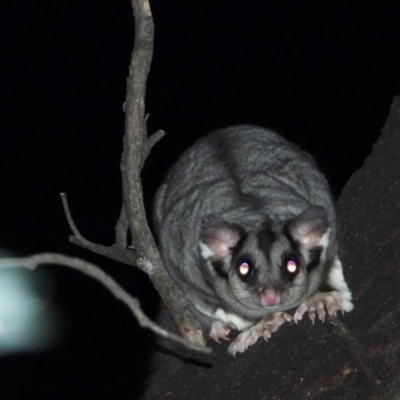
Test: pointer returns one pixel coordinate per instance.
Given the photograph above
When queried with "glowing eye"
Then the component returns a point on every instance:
(244, 270)
(291, 267)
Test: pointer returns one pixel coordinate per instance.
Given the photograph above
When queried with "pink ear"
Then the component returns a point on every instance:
(308, 228)
(218, 237)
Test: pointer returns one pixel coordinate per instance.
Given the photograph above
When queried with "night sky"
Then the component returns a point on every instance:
(322, 73)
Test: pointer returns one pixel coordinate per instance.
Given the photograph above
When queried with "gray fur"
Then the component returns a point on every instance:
(258, 184)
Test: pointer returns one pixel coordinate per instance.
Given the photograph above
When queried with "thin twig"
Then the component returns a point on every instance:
(70, 220)
(149, 143)
(31, 262)
(115, 252)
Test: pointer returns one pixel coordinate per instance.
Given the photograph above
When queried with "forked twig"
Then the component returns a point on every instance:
(136, 147)
(115, 252)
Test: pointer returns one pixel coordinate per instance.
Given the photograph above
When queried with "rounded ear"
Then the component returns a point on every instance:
(308, 228)
(217, 237)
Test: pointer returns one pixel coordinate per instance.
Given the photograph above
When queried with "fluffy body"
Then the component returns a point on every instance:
(247, 227)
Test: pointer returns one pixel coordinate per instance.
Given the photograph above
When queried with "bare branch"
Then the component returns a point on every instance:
(31, 262)
(149, 143)
(133, 155)
(115, 252)
(136, 147)
(70, 220)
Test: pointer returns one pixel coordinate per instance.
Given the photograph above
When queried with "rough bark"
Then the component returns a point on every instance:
(356, 356)
(143, 251)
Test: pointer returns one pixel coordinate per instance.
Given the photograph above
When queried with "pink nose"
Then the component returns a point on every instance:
(270, 298)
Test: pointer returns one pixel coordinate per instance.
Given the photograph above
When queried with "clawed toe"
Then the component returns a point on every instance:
(220, 330)
(264, 329)
(319, 305)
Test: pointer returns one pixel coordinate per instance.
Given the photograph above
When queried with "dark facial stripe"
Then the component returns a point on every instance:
(294, 244)
(218, 266)
(315, 256)
(266, 238)
(325, 288)
(218, 263)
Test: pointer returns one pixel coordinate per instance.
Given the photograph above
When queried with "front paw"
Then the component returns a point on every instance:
(320, 303)
(220, 330)
(246, 339)
(264, 328)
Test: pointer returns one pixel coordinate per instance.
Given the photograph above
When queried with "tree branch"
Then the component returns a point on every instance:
(116, 252)
(149, 143)
(31, 262)
(136, 147)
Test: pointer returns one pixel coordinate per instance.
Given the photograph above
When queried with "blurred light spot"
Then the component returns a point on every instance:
(28, 321)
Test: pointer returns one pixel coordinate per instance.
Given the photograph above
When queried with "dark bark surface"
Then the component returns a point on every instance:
(354, 357)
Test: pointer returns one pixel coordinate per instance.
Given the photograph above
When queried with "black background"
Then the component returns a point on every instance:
(322, 73)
